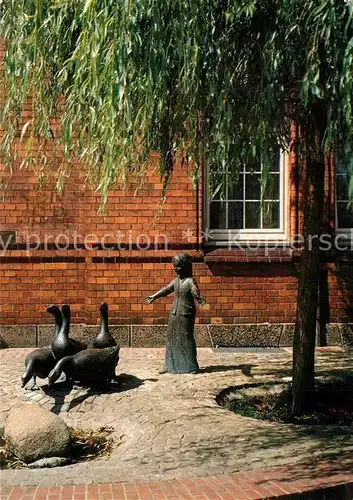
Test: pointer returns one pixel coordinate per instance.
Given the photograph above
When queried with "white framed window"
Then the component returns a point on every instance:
(344, 210)
(242, 207)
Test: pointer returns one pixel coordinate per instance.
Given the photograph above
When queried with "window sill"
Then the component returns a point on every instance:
(284, 254)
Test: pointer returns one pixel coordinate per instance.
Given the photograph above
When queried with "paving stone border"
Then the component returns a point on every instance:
(207, 335)
(268, 484)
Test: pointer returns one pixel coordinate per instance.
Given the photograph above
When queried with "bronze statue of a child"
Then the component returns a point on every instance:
(180, 354)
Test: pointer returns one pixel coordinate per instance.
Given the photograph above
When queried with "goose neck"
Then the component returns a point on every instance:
(58, 321)
(65, 327)
(104, 321)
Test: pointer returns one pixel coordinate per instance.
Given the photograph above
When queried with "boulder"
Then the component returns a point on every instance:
(32, 433)
(49, 462)
(3, 418)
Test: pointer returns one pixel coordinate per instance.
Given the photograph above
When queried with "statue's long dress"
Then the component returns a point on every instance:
(180, 353)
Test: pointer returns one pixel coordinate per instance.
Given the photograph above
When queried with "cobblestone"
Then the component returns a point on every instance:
(170, 426)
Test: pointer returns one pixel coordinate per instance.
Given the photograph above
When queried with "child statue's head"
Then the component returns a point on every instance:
(182, 265)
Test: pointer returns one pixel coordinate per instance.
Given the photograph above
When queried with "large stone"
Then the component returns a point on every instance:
(33, 432)
(49, 462)
(3, 419)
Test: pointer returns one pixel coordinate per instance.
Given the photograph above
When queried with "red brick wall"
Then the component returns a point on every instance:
(246, 291)
(236, 292)
(32, 277)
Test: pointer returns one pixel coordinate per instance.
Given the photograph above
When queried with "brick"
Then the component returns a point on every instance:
(46, 213)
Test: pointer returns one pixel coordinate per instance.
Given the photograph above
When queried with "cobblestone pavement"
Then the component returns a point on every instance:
(170, 426)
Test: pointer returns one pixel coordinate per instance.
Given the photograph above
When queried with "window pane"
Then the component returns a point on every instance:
(217, 185)
(253, 166)
(253, 215)
(253, 187)
(342, 183)
(235, 215)
(270, 215)
(341, 167)
(235, 187)
(272, 187)
(218, 215)
(344, 214)
(240, 201)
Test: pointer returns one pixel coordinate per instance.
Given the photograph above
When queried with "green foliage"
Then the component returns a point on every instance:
(333, 405)
(216, 79)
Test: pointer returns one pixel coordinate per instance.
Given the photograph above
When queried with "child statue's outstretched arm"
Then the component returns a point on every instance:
(196, 292)
(161, 293)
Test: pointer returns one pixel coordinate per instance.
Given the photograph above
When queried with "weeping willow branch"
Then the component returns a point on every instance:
(110, 82)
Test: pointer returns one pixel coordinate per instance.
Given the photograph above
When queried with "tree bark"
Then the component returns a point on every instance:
(305, 328)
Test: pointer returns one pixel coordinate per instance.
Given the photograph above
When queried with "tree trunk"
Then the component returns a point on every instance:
(305, 327)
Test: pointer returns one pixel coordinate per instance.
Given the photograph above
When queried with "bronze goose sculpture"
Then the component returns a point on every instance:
(62, 345)
(90, 366)
(104, 338)
(56, 313)
(40, 362)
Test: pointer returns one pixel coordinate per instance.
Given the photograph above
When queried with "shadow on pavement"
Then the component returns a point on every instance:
(245, 369)
(262, 443)
(59, 391)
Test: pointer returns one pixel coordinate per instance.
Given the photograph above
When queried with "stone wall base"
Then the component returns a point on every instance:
(210, 335)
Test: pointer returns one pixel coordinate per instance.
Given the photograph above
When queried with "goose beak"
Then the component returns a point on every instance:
(24, 379)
